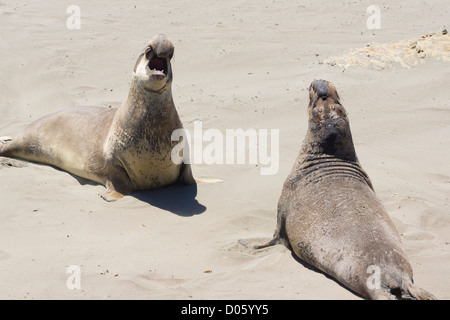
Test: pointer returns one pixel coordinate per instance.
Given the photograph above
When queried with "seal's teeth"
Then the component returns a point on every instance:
(158, 64)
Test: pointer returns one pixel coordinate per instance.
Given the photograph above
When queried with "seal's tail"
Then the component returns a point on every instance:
(419, 293)
(3, 143)
(404, 291)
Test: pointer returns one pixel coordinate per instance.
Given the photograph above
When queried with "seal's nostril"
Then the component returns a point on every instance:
(321, 88)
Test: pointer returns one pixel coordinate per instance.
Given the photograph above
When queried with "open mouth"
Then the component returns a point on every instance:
(158, 66)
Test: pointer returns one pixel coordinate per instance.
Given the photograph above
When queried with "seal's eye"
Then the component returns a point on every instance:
(149, 54)
(340, 109)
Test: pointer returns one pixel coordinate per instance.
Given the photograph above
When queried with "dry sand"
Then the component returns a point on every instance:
(238, 64)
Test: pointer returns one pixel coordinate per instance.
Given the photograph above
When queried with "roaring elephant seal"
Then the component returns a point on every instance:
(127, 148)
(329, 215)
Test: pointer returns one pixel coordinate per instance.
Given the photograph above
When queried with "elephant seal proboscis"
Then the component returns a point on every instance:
(126, 148)
(329, 215)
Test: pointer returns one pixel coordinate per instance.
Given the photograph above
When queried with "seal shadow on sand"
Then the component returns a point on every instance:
(177, 198)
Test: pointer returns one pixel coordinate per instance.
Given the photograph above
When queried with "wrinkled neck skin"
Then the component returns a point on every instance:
(143, 102)
(328, 154)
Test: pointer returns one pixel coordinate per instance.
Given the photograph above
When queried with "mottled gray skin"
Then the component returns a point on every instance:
(329, 215)
(125, 149)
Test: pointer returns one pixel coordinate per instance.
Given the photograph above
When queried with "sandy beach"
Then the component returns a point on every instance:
(237, 65)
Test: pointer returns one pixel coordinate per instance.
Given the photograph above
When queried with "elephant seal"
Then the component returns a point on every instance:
(126, 148)
(329, 215)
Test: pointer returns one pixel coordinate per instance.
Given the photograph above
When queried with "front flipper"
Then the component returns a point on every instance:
(255, 243)
(118, 186)
(111, 196)
(280, 235)
(276, 240)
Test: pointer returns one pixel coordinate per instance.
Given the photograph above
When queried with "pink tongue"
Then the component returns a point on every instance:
(158, 75)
